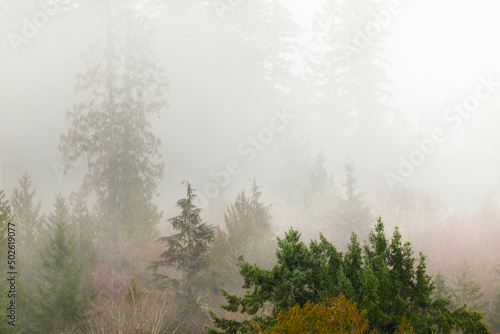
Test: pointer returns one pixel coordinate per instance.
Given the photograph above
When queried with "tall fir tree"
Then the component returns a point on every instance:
(112, 128)
(30, 223)
(186, 251)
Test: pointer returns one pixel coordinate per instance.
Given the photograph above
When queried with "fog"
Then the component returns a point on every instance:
(409, 93)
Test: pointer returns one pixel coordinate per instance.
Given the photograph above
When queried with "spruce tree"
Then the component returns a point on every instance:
(186, 251)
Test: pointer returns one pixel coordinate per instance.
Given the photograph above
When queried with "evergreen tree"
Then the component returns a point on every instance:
(442, 290)
(248, 234)
(60, 280)
(467, 290)
(112, 128)
(29, 222)
(354, 213)
(320, 199)
(387, 285)
(5, 219)
(86, 229)
(60, 213)
(494, 314)
(186, 250)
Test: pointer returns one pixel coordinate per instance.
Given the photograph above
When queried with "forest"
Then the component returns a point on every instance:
(264, 166)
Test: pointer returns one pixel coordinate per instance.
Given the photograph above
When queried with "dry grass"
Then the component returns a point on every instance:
(153, 313)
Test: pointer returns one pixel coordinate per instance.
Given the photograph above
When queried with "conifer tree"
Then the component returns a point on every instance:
(111, 129)
(29, 222)
(390, 286)
(60, 280)
(186, 250)
(5, 219)
(467, 290)
(494, 314)
(354, 213)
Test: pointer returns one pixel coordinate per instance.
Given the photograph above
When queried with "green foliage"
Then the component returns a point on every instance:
(442, 290)
(467, 290)
(494, 314)
(29, 223)
(386, 281)
(5, 219)
(248, 234)
(60, 278)
(111, 129)
(186, 250)
(354, 213)
(133, 292)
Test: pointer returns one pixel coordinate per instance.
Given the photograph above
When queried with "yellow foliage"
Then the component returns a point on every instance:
(339, 316)
(404, 327)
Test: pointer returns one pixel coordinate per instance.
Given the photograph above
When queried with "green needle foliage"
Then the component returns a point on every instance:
(60, 280)
(186, 250)
(384, 279)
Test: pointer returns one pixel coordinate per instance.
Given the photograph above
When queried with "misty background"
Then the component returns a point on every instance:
(329, 114)
(435, 52)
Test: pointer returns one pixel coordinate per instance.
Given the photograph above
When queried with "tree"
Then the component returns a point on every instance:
(112, 130)
(494, 314)
(86, 229)
(389, 284)
(248, 234)
(5, 219)
(467, 290)
(60, 279)
(186, 250)
(29, 222)
(339, 315)
(320, 198)
(348, 78)
(61, 211)
(442, 290)
(354, 213)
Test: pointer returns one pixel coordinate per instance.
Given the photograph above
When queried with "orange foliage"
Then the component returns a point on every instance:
(404, 327)
(340, 316)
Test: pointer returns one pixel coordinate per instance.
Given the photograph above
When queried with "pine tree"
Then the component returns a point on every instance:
(186, 250)
(29, 222)
(112, 128)
(60, 279)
